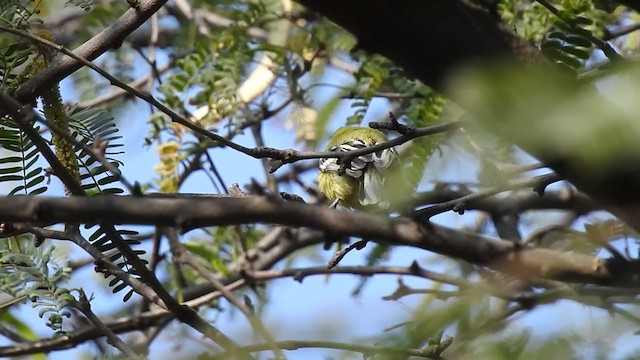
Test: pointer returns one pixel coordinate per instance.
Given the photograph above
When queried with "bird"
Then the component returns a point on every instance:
(362, 185)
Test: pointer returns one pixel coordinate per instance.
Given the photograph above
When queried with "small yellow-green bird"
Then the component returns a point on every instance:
(362, 184)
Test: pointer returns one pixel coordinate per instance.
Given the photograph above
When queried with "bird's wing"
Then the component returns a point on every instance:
(380, 159)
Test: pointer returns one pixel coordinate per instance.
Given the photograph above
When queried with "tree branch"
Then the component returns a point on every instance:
(539, 183)
(430, 352)
(182, 255)
(111, 37)
(85, 307)
(522, 262)
(516, 202)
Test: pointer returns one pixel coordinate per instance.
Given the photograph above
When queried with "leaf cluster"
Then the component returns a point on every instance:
(29, 272)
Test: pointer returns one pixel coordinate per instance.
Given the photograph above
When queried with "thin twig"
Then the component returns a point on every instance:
(621, 31)
(155, 260)
(431, 352)
(84, 306)
(283, 156)
(185, 257)
(102, 261)
(538, 184)
(216, 173)
(115, 94)
(299, 274)
(272, 184)
(182, 313)
(156, 293)
(340, 254)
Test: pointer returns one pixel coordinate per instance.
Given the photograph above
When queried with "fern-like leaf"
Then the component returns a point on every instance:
(19, 165)
(28, 271)
(87, 126)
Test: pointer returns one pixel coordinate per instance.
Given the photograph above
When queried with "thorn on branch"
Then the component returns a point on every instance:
(101, 267)
(400, 292)
(291, 197)
(393, 125)
(137, 189)
(274, 165)
(235, 190)
(544, 181)
(48, 171)
(39, 240)
(396, 326)
(298, 276)
(459, 207)
(415, 267)
(249, 304)
(134, 4)
(256, 188)
(358, 245)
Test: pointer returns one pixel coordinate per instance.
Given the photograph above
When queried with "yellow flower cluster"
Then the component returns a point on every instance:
(169, 153)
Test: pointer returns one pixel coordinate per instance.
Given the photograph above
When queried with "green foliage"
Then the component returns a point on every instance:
(14, 323)
(12, 56)
(89, 126)
(222, 248)
(493, 151)
(215, 75)
(483, 327)
(564, 39)
(323, 37)
(30, 272)
(14, 53)
(105, 244)
(422, 111)
(211, 74)
(19, 166)
(17, 13)
(373, 71)
(567, 43)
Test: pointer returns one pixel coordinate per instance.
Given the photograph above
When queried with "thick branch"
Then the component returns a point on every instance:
(193, 213)
(111, 37)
